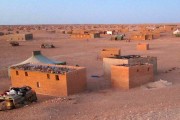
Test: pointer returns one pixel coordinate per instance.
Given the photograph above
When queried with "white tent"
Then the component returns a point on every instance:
(176, 32)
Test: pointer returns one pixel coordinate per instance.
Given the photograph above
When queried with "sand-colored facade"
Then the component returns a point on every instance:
(107, 62)
(110, 52)
(50, 83)
(127, 76)
(142, 46)
(18, 37)
(85, 36)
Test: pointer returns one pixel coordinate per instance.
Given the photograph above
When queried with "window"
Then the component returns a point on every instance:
(137, 70)
(148, 69)
(57, 77)
(38, 84)
(48, 76)
(26, 74)
(17, 73)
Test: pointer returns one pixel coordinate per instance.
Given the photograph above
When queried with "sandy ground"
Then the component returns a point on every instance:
(99, 102)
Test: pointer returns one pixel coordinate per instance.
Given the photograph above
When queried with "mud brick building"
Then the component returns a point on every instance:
(142, 46)
(53, 80)
(129, 76)
(18, 37)
(85, 36)
(129, 59)
(110, 52)
(141, 36)
(1, 33)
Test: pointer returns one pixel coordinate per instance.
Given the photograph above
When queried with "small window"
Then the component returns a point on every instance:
(148, 69)
(48, 76)
(57, 77)
(26, 74)
(38, 84)
(137, 70)
(17, 73)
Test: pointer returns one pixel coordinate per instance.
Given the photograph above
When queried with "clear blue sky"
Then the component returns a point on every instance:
(89, 11)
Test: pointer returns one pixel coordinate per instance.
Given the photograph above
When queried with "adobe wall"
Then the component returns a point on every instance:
(148, 37)
(110, 52)
(68, 83)
(81, 36)
(142, 46)
(76, 81)
(140, 74)
(18, 37)
(128, 77)
(50, 86)
(120, 77)
(107, 62)
(138, 37)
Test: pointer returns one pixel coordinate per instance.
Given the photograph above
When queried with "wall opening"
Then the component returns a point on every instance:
(38, 84)
(17, 73)
(26, 73)
(48, 76)
(57, 77)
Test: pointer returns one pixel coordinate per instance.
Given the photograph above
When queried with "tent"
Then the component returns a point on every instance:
(176, 32)
(38, 58)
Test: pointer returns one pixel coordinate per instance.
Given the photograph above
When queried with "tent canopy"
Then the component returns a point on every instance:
(38, 58)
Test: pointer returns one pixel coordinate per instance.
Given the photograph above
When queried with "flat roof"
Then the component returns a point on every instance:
(126, 57)
(132, 65)
(53, 69)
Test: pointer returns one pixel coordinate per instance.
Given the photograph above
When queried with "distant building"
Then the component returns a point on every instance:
(53, 80)
(18, 37)
(85, 36)
(142, 46)
(1, 33)
(128, 76)
(110, 52)
(141, 36)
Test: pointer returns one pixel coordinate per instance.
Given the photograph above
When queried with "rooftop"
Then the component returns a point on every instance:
(126, 57)
(54, 69)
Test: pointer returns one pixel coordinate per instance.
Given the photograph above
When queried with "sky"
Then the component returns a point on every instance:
(17, 12)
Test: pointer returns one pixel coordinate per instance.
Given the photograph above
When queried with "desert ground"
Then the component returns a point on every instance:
(99, 101)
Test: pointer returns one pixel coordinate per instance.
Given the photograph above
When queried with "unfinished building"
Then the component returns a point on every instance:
(129, 59)
(18, 37)
(128, 76)
(110, 52)
(53, 80)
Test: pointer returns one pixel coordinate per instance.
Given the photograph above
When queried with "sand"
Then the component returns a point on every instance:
(99, 102)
